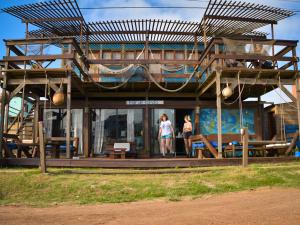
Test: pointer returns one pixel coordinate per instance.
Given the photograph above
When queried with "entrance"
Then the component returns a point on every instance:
(179, 117)
(155, 122)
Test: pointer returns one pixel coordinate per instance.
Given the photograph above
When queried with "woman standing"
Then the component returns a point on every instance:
(187, 133)
(165, 134)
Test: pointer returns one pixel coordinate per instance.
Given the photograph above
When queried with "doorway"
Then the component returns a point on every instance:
(179, 118)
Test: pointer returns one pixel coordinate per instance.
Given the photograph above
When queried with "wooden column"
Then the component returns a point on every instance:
(6, 117)
(147, 128)
(3, 101)
(36, 119)
(68, 127)
(86, 130)
(259, 120)
(297, 87)
(219, 112)
(42, 149)
(196, 48)
(245, 138)
(197, 117)
(68, 122)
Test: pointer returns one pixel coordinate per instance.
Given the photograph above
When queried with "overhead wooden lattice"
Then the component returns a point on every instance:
(222, 18)
(229, 18)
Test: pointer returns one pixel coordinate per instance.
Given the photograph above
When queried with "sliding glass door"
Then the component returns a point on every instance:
(116, 125)
(155, 123)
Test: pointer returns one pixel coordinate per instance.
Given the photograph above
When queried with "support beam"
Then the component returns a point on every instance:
(42, 149)
(197, 116)
(31, 81)
(219, 112)
(68, 127)
(3, 102)
(16, 91)
(297, 89)
(288, 93)
(86, 130)
(260, 81)
(245, 139)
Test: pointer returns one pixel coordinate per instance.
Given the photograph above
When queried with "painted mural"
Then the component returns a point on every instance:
(230, 121)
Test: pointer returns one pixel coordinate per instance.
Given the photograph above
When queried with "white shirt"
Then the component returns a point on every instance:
(166, 127)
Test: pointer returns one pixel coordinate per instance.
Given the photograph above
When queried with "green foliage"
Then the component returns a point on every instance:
(86, 186)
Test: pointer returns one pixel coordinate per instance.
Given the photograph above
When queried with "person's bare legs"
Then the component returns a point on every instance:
(163, 146)
(168, 145)
(186, 146)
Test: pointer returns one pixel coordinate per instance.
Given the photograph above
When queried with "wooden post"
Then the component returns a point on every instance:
(219, 112)
(297, 88)
(147, 128)
(196, 48)
(245, 138)
(197, 116)
(86, 129)
(68, 122)
(68, 127)
(3, 102)
(42, 148)
(273, 37)
(6, 117)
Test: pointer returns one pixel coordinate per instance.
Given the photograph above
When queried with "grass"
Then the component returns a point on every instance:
(84, 186)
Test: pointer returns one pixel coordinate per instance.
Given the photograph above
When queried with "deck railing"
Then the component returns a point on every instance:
(222, 54)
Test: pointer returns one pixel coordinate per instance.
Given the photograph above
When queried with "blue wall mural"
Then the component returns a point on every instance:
(230, 121)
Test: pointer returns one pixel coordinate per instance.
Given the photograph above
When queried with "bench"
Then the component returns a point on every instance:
(119, 149)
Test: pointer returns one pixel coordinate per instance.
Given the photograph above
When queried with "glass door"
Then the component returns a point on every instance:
(155, 122)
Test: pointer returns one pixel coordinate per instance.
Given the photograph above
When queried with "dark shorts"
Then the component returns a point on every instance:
(186, 135)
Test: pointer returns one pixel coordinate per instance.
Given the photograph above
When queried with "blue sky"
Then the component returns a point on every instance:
(12, 28)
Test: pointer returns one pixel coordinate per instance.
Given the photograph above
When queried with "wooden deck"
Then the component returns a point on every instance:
(140, 163)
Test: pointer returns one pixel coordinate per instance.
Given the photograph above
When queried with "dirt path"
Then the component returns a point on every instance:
(265, 206)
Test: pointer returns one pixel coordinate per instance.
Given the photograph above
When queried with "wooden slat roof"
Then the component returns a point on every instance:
(221, 18)
(227, 18)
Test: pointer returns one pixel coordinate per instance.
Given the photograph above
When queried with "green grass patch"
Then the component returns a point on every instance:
(91, 186)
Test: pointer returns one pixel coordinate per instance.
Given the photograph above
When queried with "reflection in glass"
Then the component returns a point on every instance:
(117, 125)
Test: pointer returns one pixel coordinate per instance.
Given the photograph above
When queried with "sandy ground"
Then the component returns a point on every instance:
(263, 206)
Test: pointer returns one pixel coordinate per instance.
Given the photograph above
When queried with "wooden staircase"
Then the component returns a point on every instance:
(23, 127)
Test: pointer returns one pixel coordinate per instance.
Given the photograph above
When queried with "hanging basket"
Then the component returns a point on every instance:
(58, 98)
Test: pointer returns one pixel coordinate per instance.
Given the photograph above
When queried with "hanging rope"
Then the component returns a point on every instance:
(165, 89)
(240, 102)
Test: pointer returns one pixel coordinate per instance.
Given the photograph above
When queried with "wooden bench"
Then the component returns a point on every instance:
(119, 149)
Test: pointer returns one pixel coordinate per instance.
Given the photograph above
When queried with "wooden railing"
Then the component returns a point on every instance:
(215, 56)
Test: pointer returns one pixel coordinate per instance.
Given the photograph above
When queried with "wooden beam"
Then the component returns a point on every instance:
(141, 61)
(288, 93)
(3, 102)
(261, 81)
(32, 81)
(42, 149)
(16, 91)
(86, 130)
(61, 19)
(79, 87)
(242, 19)
(245, 139)
(206, 86)
(219, 112)
(37, 57)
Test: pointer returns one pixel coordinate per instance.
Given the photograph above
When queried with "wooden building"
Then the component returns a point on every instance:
(118, 77)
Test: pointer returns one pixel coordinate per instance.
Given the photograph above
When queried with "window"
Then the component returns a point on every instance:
(106, 55)
(129, 55)
(116, 55)
(179, 55)
(55, 124)
(117, 125)
(169, 55)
